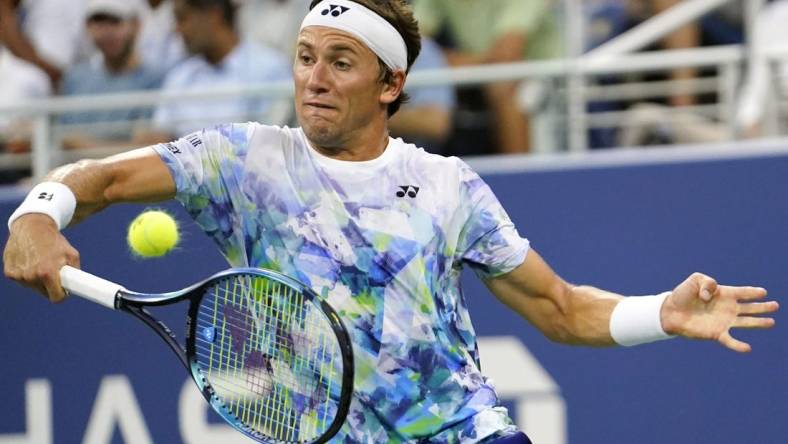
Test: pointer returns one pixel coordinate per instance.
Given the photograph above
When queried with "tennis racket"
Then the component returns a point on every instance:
(271, 358)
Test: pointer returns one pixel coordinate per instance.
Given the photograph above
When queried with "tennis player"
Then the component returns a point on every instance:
(378, 227)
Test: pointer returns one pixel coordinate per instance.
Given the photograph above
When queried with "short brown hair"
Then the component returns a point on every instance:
(400, 15)
(227, 8)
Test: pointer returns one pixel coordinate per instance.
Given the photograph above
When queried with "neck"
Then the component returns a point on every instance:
(366, 143)
(128, 61)
(226, 41)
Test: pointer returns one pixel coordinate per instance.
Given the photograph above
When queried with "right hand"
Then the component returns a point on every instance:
(35, 253)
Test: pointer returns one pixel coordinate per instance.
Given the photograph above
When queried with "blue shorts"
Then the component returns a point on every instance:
(517, 438)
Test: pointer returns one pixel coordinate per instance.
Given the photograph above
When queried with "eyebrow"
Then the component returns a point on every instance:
(339, 47)
(304, 44)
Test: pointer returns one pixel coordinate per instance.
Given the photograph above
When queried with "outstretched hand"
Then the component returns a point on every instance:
(699, 308)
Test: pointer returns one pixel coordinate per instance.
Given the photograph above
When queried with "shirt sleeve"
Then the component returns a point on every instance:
(489, 242)
(208, 170)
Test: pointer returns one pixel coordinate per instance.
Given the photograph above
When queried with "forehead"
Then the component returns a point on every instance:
(325, 38)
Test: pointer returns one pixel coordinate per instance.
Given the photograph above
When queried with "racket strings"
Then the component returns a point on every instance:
(271, 356)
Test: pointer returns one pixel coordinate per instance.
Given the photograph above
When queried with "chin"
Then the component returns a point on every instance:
(324, 135)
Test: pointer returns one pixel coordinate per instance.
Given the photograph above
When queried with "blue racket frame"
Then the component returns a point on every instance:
(135, 303)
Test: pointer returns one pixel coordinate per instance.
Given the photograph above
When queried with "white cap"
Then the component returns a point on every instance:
(122, 9)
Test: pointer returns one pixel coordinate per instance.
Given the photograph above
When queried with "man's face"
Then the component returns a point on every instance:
(112, 36)
(337, 86)
(195, 25)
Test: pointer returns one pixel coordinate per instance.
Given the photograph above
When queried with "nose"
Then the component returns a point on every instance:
(319, 78)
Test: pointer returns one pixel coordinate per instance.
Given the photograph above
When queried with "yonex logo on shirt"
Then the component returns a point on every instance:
(335, 10)
(408, 190)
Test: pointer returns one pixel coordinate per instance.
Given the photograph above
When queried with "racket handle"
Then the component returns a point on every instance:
(88, 286)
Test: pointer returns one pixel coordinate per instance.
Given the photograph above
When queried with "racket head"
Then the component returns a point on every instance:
(270, 357)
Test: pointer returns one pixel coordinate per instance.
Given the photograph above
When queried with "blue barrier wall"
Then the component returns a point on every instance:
(636, 230)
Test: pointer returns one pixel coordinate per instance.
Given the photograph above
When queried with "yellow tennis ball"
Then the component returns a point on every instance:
(152, 234)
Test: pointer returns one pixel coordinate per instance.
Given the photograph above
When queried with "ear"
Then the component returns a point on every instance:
(393, 89)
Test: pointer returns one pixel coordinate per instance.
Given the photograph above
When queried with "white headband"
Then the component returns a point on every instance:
(372, 29)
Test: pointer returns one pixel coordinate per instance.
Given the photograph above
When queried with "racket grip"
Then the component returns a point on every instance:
(88, 286)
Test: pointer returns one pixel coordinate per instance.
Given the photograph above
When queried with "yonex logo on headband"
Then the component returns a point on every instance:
(335, 10)
(364, 24)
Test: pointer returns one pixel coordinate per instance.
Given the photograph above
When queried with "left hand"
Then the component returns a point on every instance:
(699, 308)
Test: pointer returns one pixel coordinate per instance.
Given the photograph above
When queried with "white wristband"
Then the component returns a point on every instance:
(636, 320)
(51, 198)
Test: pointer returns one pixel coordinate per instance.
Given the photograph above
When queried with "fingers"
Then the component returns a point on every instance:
(734, 344)
(45, 277)
(54, 288)
(753, 322)
(757, 308)
(54, 291)
(746, 293)
(45, 280)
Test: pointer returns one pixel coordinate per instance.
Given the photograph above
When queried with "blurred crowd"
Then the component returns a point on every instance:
(84, 47)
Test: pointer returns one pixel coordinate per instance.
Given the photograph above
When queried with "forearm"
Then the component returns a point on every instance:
(462, 58)
(561, 311)
(697, 308)
(687, 36)
(509, 47)
(583, 315)
(135, 176)
(89, 180)
(587, 321)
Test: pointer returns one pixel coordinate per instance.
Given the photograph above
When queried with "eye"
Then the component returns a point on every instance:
(305, 59)
(342, 65)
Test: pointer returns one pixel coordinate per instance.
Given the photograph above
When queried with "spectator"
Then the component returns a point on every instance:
(113, 26)
(499, 31)
(159, 43)
(425, 119)
(273, 23)
(765, 80)
(658, 123)
(649, 123)
(38, 40)
(688, 36)
(219, 58)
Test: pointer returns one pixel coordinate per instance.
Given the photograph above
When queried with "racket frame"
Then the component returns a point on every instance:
(135, 303)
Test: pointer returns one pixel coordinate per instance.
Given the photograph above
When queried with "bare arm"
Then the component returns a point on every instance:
(509, 47)
(11, 37)
(36, 250)
(561, 311)
(697, 308)
(685, 37)
(135, 176)
(431, 122)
